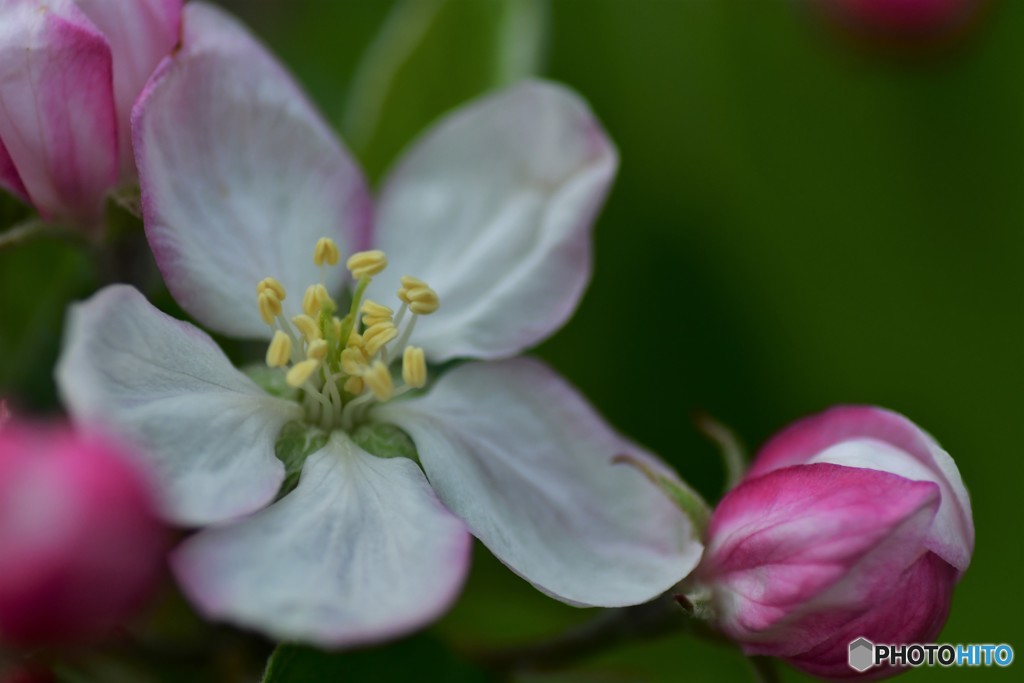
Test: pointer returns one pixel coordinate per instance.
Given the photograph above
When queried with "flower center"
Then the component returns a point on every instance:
(341, 365)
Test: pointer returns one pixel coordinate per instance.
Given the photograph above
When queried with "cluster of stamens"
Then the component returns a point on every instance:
(342, 364)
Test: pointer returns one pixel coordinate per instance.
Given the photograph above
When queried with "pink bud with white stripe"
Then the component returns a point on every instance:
(850, 523)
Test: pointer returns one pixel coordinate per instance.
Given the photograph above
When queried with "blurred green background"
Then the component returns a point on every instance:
(802, 218)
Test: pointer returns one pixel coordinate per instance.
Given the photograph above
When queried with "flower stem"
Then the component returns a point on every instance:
(22, 232)
(608, 630)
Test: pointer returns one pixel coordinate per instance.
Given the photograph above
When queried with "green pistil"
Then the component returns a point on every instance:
(349, 323)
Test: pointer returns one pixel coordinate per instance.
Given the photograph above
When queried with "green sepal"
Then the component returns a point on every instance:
(385, 441)
(296, 442)
(271, 380)
(730, 447)
(685, 498)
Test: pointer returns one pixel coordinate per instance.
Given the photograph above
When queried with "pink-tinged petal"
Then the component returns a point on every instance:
(141, 33)
(57, 116)
(796, 553)
(206, 430)
(9, 178)
(807, 440)
(361, 551)
(527, 463)
(240, 176)
(493, 208)
(913, 611)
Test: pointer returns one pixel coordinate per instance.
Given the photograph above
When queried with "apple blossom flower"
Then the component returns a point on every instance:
(82, 544)
(70, 71)
(477, 248)
(852, 523)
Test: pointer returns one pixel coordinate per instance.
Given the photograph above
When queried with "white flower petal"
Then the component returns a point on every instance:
(526, 462)
(205, 428)
(361, 551)
(240, 176)
(493, 208)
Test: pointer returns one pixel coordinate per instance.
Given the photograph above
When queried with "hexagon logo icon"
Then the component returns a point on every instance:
(862, 655)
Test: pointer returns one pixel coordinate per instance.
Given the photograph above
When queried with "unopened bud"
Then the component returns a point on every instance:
(82, 548)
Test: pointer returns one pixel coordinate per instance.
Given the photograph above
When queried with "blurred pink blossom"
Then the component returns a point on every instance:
(910, 18)
(81, 545)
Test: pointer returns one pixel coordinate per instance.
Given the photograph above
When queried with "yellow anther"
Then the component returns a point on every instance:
(280, 350)
(377, 336)
(326, 251)
(322, 297)
(355, 340)
(354, 385)
(378, 379)
(301, 372)
(370, 320)
(367, 263)
(314, 299)
(423, 300)
(378, 342)
(317, 350)
(270, 306)
(273, 285)
(376, 330)
(308, 327)
(374, 313)
(375, 309)
(353, 362)
(409, 282)
(336, 327)
(414, 367)
(309, 303)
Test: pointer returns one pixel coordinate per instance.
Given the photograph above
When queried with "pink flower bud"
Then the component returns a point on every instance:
(70, 71)
(80, 545)
(850, 523)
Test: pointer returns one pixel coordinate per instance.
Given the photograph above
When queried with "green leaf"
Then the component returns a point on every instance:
(385, 441)
(296, 442)
(432, 55)
(688, 500)
(387, 664)
(39, 279)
